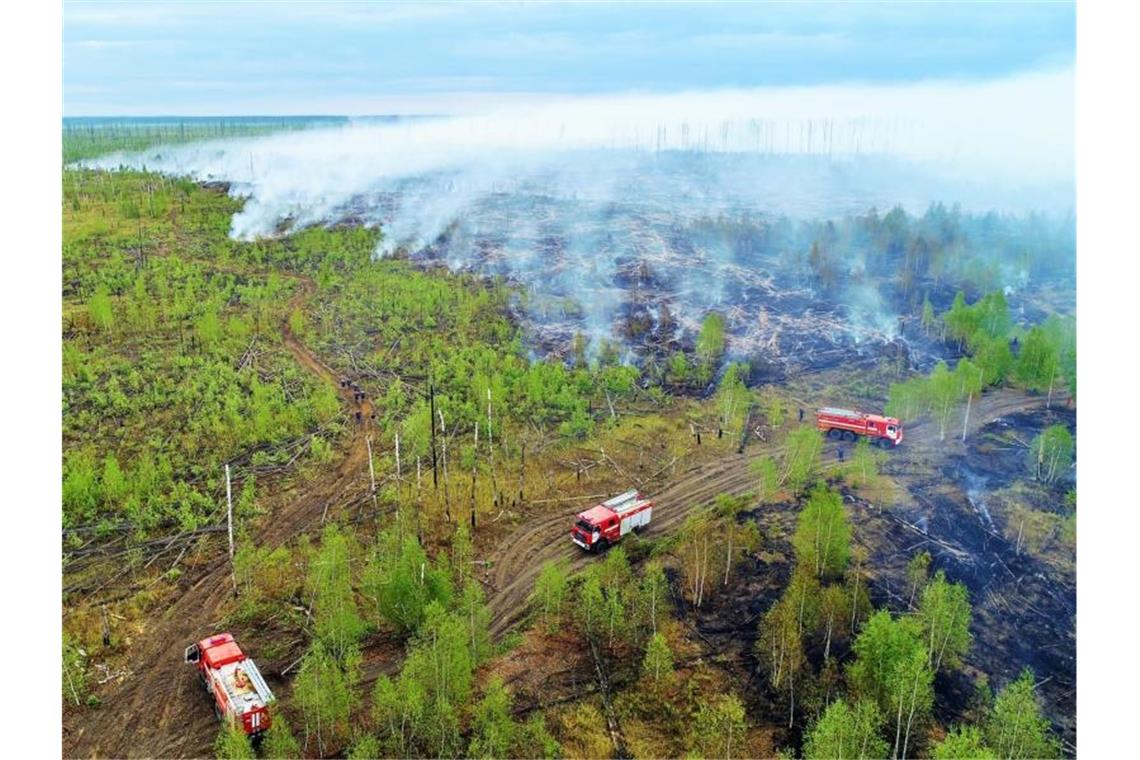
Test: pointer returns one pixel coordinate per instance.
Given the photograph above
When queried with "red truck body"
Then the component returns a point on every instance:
(605, 524)
(846, 425)
(233, 681)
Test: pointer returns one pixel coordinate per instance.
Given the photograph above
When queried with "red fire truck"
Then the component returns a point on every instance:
(605, 524)
(843, 424)
(233, 682)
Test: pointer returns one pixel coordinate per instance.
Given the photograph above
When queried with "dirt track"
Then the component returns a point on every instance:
(159, 710)
(519, 557)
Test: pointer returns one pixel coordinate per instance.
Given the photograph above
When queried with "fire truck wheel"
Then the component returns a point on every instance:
(834, 434)
(848, 435)
(603, 544)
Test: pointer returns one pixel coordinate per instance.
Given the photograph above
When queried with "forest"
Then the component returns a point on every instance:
(404, 467)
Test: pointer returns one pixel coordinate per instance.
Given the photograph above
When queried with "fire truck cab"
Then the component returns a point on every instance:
(233, 681)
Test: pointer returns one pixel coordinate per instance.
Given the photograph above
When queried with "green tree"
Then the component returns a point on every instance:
(366, 747)
(233, 743)
(823, 537)
(847, 733)
(324, 691)
(803, 447)
(654, 594)
(711, 340)
(767, 477)
(74, 671)
(1039, 361)
(100, 309)
(477, 620)
(657, 666)
(929, 321)
(732, 399)
(550, 592)
(398, 709)
(400, 582)
(891, 668)
(1051, 453)
(945, 614)
(114, 484)
(1016, 728)
(279, 743)
(492, 729)
(719, 729)
(963, 743)
(533, 739)
(917, 575)
(944, 392)
(337, 622)
(591, 607)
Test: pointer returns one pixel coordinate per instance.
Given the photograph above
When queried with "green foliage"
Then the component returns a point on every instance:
(232, 743)
(862, 471)
(1016, 728)
(768, 478)
(366, 747)
(657, 666)
(711, 340)
(100, 310)
(533, 739)
(400, 582)
(279, 742)
(963, 743)
(803, 447)
(774, 407)
(492, 728)
(823, 537)
(847, 732)
(338, 625)
(1051, 453)
(945, 614)
(324, 691)
(654, 595)
(477, 618)
(917, 574)
(74, 671)
(719, 728)
(550, 592)
(732, 398)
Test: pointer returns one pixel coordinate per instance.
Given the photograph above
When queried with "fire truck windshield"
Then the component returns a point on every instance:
(585, 527)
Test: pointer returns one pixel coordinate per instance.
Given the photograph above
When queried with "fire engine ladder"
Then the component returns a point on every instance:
(257, 681)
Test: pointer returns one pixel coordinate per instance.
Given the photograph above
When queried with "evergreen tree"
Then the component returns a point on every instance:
(533, 739)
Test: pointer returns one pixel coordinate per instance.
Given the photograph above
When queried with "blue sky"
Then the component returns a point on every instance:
(213, 58)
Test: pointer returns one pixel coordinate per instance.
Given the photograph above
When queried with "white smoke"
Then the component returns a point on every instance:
(540, 180)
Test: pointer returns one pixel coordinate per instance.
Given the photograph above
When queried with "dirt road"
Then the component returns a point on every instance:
(159, 710)
(519, 557)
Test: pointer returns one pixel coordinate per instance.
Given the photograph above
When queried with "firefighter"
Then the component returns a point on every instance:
(801, 414)
(241, 680)
(839, 453)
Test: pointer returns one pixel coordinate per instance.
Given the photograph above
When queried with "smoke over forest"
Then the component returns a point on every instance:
(631, 218)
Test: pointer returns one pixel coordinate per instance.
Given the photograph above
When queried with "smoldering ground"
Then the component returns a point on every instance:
(685, 192)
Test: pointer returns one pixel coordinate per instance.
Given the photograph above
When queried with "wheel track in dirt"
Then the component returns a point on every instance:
(159, 710)
(518, 559)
